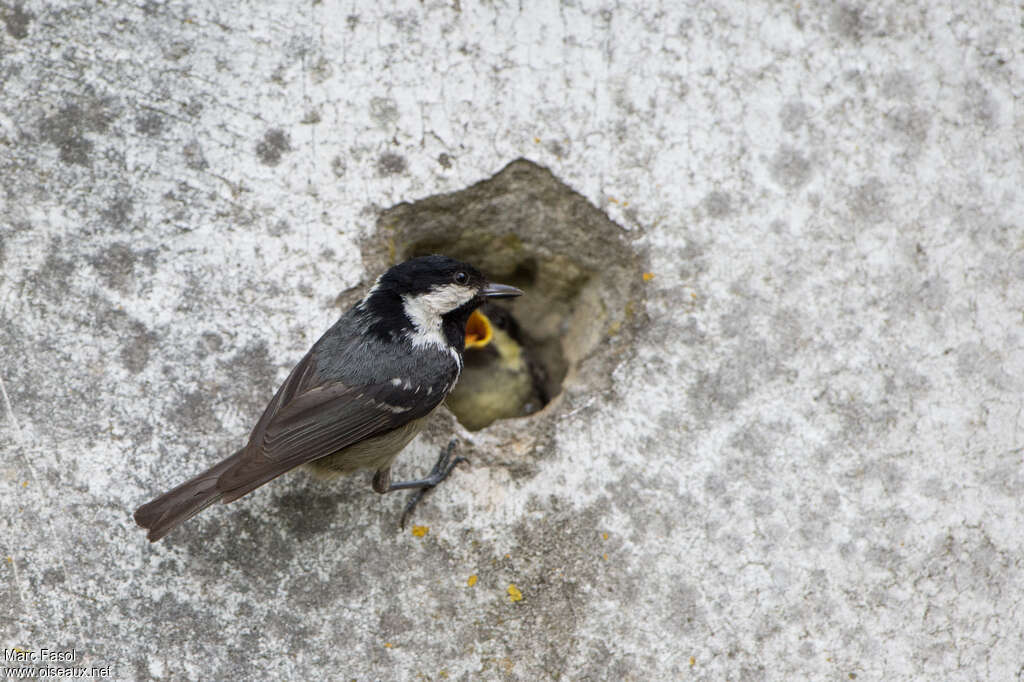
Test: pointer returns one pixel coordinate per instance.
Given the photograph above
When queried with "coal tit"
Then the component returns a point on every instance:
(359, 395)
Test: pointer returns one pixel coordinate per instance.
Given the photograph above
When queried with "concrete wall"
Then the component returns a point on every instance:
(807, 463)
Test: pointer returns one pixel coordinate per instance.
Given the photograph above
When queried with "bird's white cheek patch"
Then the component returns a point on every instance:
(444, 299)
(425, 311)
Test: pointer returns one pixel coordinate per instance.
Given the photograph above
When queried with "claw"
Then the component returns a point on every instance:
(442, 468)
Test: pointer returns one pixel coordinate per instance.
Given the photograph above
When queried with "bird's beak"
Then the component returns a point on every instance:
(478, 330)
(500, 291)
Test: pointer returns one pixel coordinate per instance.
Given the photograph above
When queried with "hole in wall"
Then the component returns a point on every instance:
(581, 277)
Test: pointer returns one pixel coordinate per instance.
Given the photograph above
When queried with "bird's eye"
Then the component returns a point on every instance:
(461, 277)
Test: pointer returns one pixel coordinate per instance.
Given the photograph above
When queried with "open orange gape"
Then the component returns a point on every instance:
(478, 330)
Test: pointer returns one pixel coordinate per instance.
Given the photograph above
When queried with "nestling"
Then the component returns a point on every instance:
(358, 396)
(500, 380)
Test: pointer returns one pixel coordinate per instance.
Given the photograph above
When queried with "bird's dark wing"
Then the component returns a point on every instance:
(303, 423)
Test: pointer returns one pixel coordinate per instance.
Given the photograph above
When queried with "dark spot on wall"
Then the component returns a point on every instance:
(899, 85)
(351, 21)
(406, 23)
(717, 204)
(149, 123)
(193, 414)
(116, 265)
(67, 128)
(788, 331)
(721, 390)
(383, 111)
(309, 593)
(850, 22)
(790, 168)
(444, 160)
(861, 419)
(815, 523)
(390, 163)
(321, 70)
(189, 622)
(293, 630)
(600, 661)
(16, 20)
(338, 166)
(177, 49)
(53, 577)
(137, 347)
(253, 377)
(716, 489)
(393, 625)
(132, 339)
(934, 293)
(975, 361)
(194, 157)
(910, 124)
(692, 261)
(118, 211)
(194, 107)
(53, 278)
(792, 116)
(557, 149)
(212, 341)
(280, 228)
(73, 147)
(734, 322)
(966, 557)
(753, 439)
(274, 143)
(978, 105)
(870, 201)
(306, 513)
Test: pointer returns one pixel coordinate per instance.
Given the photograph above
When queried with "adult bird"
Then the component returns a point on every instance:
(359, 395)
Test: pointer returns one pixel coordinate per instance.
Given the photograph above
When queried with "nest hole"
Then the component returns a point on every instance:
(581, 278)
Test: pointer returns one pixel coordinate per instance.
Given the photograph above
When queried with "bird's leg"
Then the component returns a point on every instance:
(444, 465)
(442, 468)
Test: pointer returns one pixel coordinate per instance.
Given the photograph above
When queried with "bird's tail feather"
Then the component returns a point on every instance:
(161, 515)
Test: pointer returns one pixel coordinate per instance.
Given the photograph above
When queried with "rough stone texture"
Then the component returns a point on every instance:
(808, 466)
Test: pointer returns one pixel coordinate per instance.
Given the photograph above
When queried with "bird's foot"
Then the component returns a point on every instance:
(442, 468)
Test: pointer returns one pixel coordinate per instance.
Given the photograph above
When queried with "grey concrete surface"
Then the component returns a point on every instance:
(807, 463)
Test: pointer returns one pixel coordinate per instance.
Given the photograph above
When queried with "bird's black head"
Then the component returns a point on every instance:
(421, 275)
(429, 299)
